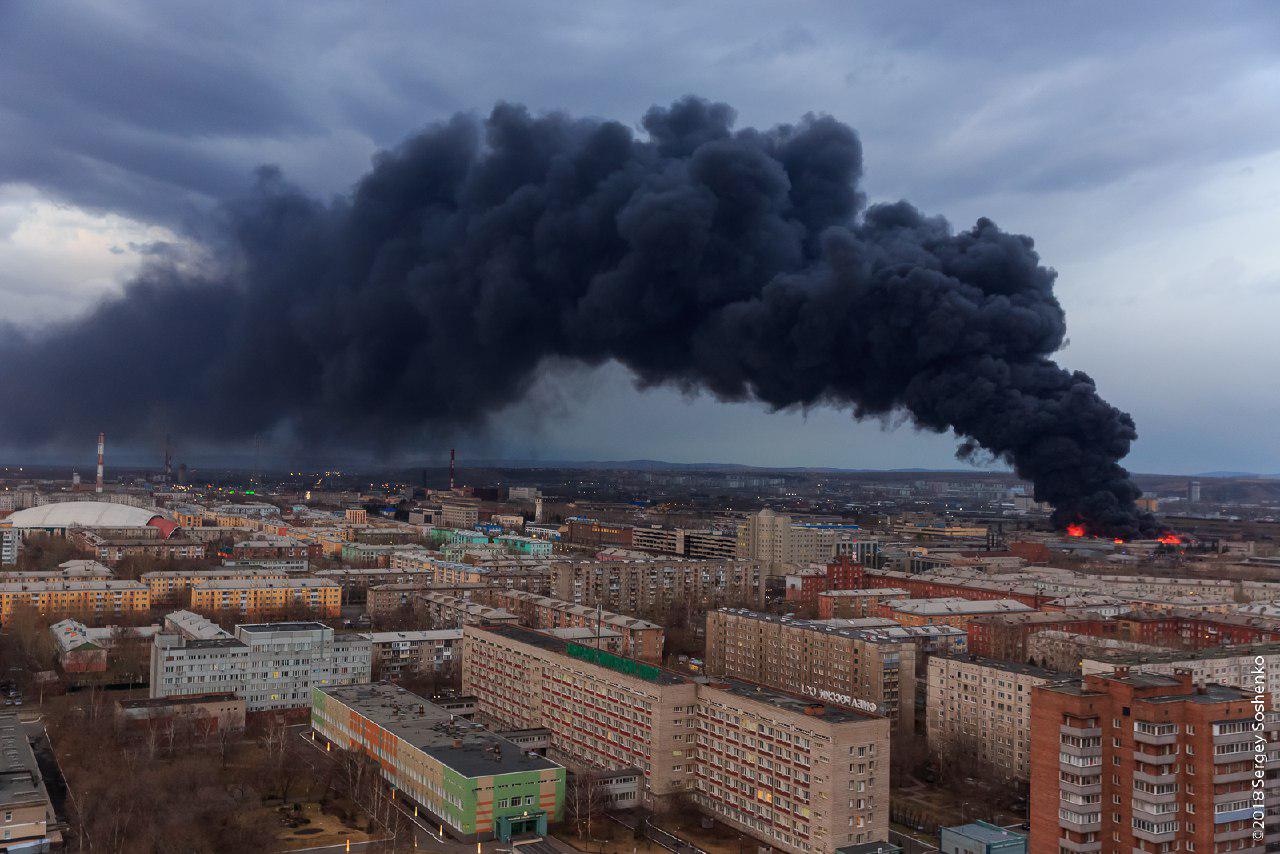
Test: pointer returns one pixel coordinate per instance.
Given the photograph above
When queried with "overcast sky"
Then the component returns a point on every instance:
(1138, 143)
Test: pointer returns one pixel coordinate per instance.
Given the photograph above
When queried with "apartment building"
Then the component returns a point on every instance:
(1251, 667)
(475, 783)
(273, 547)
(866, 669)
(459, 514)
(652, 586)
(271, 666)
(979, 711)
(112, 550)
(97, 599)
(10, 543)
(169, 587)
(947, 611)
(29, 822)
(250, 596)
(515, 573)
(799, 775)
(597, 534)
(398, 653)
(775, 539)
(71, 570)
(1065, 652)
(1143, 762)
(1005, 635)
(701, 545)
(852, 604)
(443, 610)
(639, 638)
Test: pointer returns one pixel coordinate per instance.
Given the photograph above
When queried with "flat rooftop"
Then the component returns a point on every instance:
(790, 702)
(949, 605)
(266, 583)
(987, 833)
(884, 629)
(282, 627)
(20, 780)
(179, 700)
(636, 669)
(1006, 666)
(421, 635)
(466, 747)
(1173, 655)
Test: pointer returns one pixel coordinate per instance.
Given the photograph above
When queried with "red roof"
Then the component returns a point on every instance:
(166, 527)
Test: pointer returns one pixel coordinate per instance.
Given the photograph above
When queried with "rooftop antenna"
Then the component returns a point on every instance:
(452, 457)
(102, 444)
(168, 457)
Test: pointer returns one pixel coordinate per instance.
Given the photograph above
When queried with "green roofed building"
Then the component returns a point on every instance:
(477, 784)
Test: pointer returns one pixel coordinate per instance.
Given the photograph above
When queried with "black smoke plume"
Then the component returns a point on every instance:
(744, 263)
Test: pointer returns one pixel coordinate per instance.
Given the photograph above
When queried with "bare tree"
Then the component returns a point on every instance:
(585, 801)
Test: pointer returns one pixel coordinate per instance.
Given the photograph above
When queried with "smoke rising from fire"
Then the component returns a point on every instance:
(743, 263)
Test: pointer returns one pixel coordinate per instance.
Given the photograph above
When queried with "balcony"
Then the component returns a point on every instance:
(1088, 788)
(1078, 827)
(1167, 836)
(1155, 758)
(1152, 738)
(1231, 835)
(1081, 732)
(1153, 798)
(1082, 847)
(1155, 779)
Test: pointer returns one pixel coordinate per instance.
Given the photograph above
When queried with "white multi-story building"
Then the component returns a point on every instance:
(10, 542)
(268, 665)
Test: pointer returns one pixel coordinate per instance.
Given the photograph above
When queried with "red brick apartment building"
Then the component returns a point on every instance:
(1005, 635)
(1143, 763)
(593, 532)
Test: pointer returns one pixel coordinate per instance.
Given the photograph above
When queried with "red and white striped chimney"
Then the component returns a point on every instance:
(102, 444)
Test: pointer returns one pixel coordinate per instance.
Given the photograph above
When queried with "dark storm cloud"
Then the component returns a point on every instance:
(737, 262)
(159, 109)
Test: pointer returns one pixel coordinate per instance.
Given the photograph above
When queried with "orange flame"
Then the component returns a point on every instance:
(1170, 540)
(1118, 541)
(1075, 530)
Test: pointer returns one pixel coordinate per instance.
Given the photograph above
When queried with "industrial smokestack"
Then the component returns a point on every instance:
(742, 263)
(102, 445)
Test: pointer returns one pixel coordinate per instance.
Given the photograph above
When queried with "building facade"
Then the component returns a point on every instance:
(477, 784)
(655, 586)
(857, 668)
(29, 822)
(979, 710)
(775, 539)
(799, 775)
(98, 600)
(640, 639)
(271, 666)
(398, 653)
(252, 596)
(1142, 762)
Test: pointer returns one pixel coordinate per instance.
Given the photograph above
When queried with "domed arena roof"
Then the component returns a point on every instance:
(85, 514)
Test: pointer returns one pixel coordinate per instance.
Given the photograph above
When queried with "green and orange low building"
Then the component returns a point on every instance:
(475, 783)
